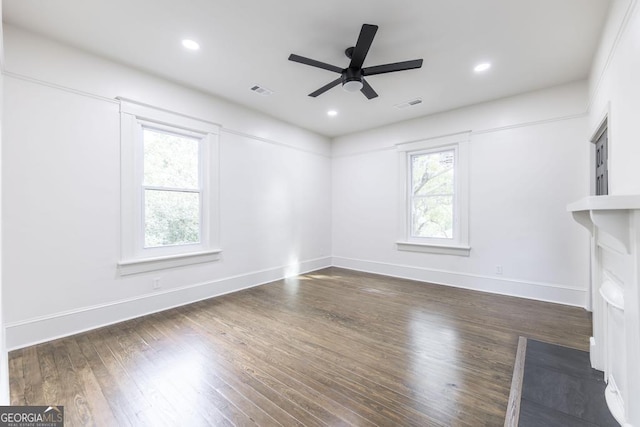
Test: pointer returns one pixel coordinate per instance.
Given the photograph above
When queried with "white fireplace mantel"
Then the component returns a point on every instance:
(610, 214)
(614, 225)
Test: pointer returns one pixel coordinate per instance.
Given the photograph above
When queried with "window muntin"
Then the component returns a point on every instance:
(432, 194)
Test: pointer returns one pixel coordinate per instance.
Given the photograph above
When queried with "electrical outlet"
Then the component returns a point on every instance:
(499, 270)
(156, 283)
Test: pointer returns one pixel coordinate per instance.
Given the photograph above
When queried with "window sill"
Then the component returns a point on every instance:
(160, 263)
(458, 250)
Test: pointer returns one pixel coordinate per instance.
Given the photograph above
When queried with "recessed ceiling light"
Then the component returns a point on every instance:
(482, 67)
(332, 113)
(190, 44)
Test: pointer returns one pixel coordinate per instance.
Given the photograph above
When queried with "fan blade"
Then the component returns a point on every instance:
(367, 90)
(314, 63)
(326, 87)
(367, 33)
(390, 68)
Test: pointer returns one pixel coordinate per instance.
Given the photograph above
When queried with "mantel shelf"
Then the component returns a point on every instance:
(609, 214)
(597, 203)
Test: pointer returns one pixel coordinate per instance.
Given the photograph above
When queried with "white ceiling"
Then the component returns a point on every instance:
(531, 44)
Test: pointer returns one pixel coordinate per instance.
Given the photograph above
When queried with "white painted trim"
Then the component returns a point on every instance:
(364, 152)
(59, 87)
(434, 142)
(593, 352)
(605, 203)
(459, 142)
(603, 123)
(614, 402)
(134, 117)
(471, 133)
(532, 123)
(549, 292)
(58, 325)
(614, 47)
(434, 249)
(167, 117)
(273, 142)
(135, 266)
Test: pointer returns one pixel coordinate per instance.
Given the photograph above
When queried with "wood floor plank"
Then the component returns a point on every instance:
(71, 387)
(50, 380)
(329, 348)
(17, 382)
(100, 410)
(119, 406)
(129, 395)
(33, 383)
(232, 382)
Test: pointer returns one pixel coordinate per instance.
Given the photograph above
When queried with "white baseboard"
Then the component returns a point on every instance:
(595, 356)
(504, 286)
(46, 328)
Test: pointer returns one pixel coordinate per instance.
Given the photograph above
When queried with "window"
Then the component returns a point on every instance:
(432, 194)
(168, 189)
(172, 192)
(435, 195)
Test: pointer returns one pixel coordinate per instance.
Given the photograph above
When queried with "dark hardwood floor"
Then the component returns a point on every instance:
(329, 348)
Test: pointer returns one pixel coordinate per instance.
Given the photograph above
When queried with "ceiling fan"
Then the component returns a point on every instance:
(352, 77)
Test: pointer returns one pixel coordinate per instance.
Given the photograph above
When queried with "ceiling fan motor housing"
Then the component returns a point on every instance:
(352, 79)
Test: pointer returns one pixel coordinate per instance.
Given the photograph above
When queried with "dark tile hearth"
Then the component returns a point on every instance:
(561, 389)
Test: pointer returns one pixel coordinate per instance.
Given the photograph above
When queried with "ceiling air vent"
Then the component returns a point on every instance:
(411, 103)
(261, 90)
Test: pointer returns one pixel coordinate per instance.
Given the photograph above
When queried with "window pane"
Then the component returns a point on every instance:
(170, 160)
(432, 173)
(432, 217)
(171, 218)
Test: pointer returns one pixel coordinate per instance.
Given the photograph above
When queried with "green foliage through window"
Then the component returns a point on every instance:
(432, 194)
(171, 189)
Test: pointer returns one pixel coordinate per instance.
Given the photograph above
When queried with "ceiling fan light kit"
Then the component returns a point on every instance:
(352, 80)
(352, 77)
(352, 86)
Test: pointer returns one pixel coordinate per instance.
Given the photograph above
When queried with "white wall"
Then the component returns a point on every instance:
(4, 360)
(61, 194)
(527, 161)
(615, 89)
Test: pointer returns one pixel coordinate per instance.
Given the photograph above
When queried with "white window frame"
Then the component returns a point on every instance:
(135, 258)
(459, 243)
